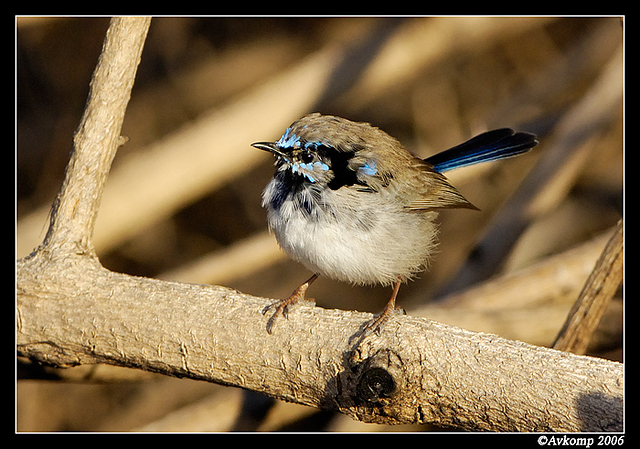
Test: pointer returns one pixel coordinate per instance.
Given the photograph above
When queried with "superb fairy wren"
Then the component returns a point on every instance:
(349, 202)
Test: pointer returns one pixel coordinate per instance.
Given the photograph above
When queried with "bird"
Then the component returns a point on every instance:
(349, 202)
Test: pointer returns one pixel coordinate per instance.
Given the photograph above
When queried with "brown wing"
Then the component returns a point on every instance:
(439, 194)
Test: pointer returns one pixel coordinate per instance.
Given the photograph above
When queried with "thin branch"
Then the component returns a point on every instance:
(97, 138)
(594, 298)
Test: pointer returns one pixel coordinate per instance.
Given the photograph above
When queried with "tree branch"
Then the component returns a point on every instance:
(97, 138)
(73, 311)
(594, 298)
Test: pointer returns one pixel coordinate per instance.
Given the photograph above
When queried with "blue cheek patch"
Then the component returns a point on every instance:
(297, 168)
(370, 168)
(304, 168)
(321, 165)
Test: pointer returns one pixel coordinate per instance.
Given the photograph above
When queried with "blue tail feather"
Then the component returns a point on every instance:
(488, 146)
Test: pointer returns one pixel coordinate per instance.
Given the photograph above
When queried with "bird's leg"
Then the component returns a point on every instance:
(389, 309)
(282, 306)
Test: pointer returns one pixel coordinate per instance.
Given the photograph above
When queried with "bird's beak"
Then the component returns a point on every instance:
(270, 147)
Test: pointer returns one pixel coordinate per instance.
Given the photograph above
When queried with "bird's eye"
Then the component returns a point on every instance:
(306, 158)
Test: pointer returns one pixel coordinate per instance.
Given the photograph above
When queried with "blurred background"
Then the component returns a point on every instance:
(182, 201)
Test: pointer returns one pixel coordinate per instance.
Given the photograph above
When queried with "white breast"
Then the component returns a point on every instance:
(370, 241)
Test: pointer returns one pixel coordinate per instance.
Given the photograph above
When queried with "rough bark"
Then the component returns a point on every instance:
(72, 311)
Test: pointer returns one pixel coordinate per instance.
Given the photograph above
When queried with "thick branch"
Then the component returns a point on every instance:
(76, 312)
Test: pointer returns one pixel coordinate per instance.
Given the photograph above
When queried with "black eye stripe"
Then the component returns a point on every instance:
(343, 175)
(336, 158)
